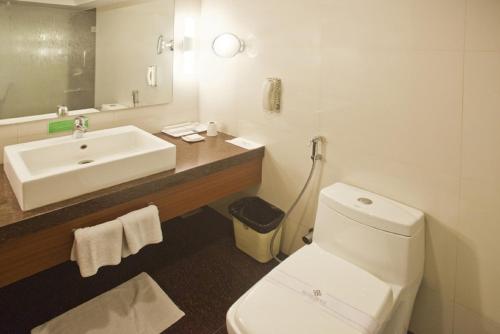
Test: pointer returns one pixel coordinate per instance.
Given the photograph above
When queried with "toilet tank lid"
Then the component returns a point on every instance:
(373, 210)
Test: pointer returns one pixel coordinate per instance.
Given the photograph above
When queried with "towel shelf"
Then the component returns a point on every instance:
(24, 256)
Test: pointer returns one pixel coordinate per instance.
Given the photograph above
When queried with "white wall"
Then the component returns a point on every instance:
(407, 94)
(184, 106)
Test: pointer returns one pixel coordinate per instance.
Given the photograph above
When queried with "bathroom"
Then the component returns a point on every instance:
(405, 96)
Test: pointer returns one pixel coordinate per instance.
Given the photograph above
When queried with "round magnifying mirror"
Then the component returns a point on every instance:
(227, 45)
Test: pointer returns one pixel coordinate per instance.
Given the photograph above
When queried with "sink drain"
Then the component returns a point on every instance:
(84, 162)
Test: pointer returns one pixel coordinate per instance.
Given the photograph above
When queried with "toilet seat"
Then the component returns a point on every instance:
(313, 291)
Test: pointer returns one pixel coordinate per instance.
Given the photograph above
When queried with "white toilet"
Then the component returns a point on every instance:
(360, 275)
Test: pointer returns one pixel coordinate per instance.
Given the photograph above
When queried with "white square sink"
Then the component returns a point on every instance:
(51, 170)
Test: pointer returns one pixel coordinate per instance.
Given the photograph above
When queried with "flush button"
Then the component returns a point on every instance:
(365, 200)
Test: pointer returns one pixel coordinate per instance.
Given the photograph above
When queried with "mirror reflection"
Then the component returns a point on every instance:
(63, 58)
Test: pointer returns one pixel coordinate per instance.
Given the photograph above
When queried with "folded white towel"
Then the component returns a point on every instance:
(97, 246)
(141, 227)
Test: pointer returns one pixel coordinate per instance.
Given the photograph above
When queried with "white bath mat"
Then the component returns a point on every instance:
(136, 306)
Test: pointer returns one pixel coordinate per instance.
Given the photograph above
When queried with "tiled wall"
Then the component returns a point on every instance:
(183, 108)
(407, 94)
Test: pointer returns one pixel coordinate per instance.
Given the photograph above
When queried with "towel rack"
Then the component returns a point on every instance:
(149, 203)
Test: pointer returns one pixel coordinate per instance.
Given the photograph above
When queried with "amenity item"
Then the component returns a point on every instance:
(194, 138)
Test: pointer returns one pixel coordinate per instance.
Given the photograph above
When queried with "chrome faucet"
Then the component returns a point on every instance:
(62, 111)
(79, 127)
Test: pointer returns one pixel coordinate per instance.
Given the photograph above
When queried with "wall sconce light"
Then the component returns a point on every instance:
(189, 34)
(188, 46)
(227, 45)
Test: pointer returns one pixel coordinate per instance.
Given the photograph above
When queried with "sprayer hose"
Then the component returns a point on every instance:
(292, 207)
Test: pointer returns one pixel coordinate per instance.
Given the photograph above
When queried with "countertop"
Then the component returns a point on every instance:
(193, 160)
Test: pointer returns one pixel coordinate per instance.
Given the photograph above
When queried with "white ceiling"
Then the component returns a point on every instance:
(77, 3)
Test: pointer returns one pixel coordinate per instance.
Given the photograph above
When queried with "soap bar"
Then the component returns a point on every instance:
(193, 138)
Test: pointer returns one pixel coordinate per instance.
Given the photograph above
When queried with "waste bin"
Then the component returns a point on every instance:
(254, 223)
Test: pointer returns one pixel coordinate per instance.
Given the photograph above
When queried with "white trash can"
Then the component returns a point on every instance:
(255, 221)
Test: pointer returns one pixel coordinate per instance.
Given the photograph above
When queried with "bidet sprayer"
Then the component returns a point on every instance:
(315, 156)
(315, 142)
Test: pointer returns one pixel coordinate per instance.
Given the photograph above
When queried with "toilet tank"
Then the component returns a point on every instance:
(382, 236)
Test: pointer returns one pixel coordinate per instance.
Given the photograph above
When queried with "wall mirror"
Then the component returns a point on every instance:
(84, 55)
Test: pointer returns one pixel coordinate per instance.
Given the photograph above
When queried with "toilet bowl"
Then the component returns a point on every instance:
(360, 275)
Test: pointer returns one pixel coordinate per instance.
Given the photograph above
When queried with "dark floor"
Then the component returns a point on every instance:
(197, 265)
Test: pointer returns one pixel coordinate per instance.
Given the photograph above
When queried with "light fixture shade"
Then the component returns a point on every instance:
(227, 45)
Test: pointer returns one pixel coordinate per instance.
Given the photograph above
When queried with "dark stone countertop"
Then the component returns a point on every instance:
(194, 160)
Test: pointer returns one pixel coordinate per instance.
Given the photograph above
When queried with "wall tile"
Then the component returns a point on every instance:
(481, 157)
(38, 129)
(432, 313)
(405, 106)
(393, 24)
(483, 25)
(102, 120)
(478, 272)
(467, 322)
